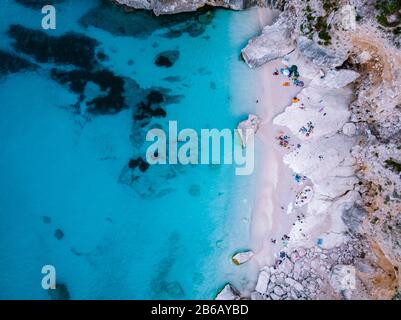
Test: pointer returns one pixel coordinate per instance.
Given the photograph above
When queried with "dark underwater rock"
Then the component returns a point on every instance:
(138, 163)
(101, 56)
(11, 63)
(112, 99)
(59, 234)
(150, 106)
(173, 289)
(167, 58)
(69, 49)
(154, 182)
(47, 219)
(60, 293)
(155, 97)
(172, 79)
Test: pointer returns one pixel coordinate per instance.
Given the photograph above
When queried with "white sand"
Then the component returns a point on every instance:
(275, 181)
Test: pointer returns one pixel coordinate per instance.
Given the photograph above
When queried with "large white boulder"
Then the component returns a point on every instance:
(320, 56)
(263, 281)
(242, 257)
(336, 79)
(349, 129)
(274, 42)
(346, 17)
(228, 293)
(248, 128)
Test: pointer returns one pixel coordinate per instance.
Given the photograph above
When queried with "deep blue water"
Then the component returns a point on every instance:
(74, 109)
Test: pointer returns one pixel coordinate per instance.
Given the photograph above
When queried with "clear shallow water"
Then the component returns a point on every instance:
(66, 166)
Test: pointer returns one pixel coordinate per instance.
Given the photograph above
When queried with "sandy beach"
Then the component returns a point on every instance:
(275, 183)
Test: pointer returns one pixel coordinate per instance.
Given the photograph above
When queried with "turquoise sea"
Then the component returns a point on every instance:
(75, 104)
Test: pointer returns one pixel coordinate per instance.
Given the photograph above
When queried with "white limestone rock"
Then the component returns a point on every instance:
(320, 56)
(295, 257)
(274, 42)
(304, 197)
(336, 79)
(228, 293)
(294, 284)
(263, 281)
(278, 291)
(177, 6)
(286, 267)
(274, 296)
(306, 68)
(346, 17)
(248, 128)
(301, 251)
(242, 257)
(257, 296)
(137, 4)
(349, 129)
(332, 172)
(343, 279)
(321, 111)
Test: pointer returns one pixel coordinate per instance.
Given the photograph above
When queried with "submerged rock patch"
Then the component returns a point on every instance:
(172, 289)
(11, 63)
(139, 163)
(60, 293)
(150, 106)
(167, 58)
(69, 49)
(47, 219)
(110, 101)
(172, 79)
(76, 63)
(101, 56)
(161, 284)
(194, 190)
(59, 234)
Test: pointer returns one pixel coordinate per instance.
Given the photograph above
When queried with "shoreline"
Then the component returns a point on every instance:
(341, 136)
(269, 220)
(328, 251)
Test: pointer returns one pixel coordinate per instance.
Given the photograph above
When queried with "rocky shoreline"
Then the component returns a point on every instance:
(352, 159)
(161, 7)
(348, 52)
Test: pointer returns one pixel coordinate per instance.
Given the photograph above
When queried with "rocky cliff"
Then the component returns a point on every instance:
(177, 6)
(350, 52)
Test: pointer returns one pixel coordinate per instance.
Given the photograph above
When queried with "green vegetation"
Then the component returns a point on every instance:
(393, 165)
(314, 24)
(389, 14)
(329, 6)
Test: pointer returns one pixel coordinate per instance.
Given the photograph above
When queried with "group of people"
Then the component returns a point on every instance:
(308, 129)
(292, 73)
(284, 140)
(303, 197)
(299, 178)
